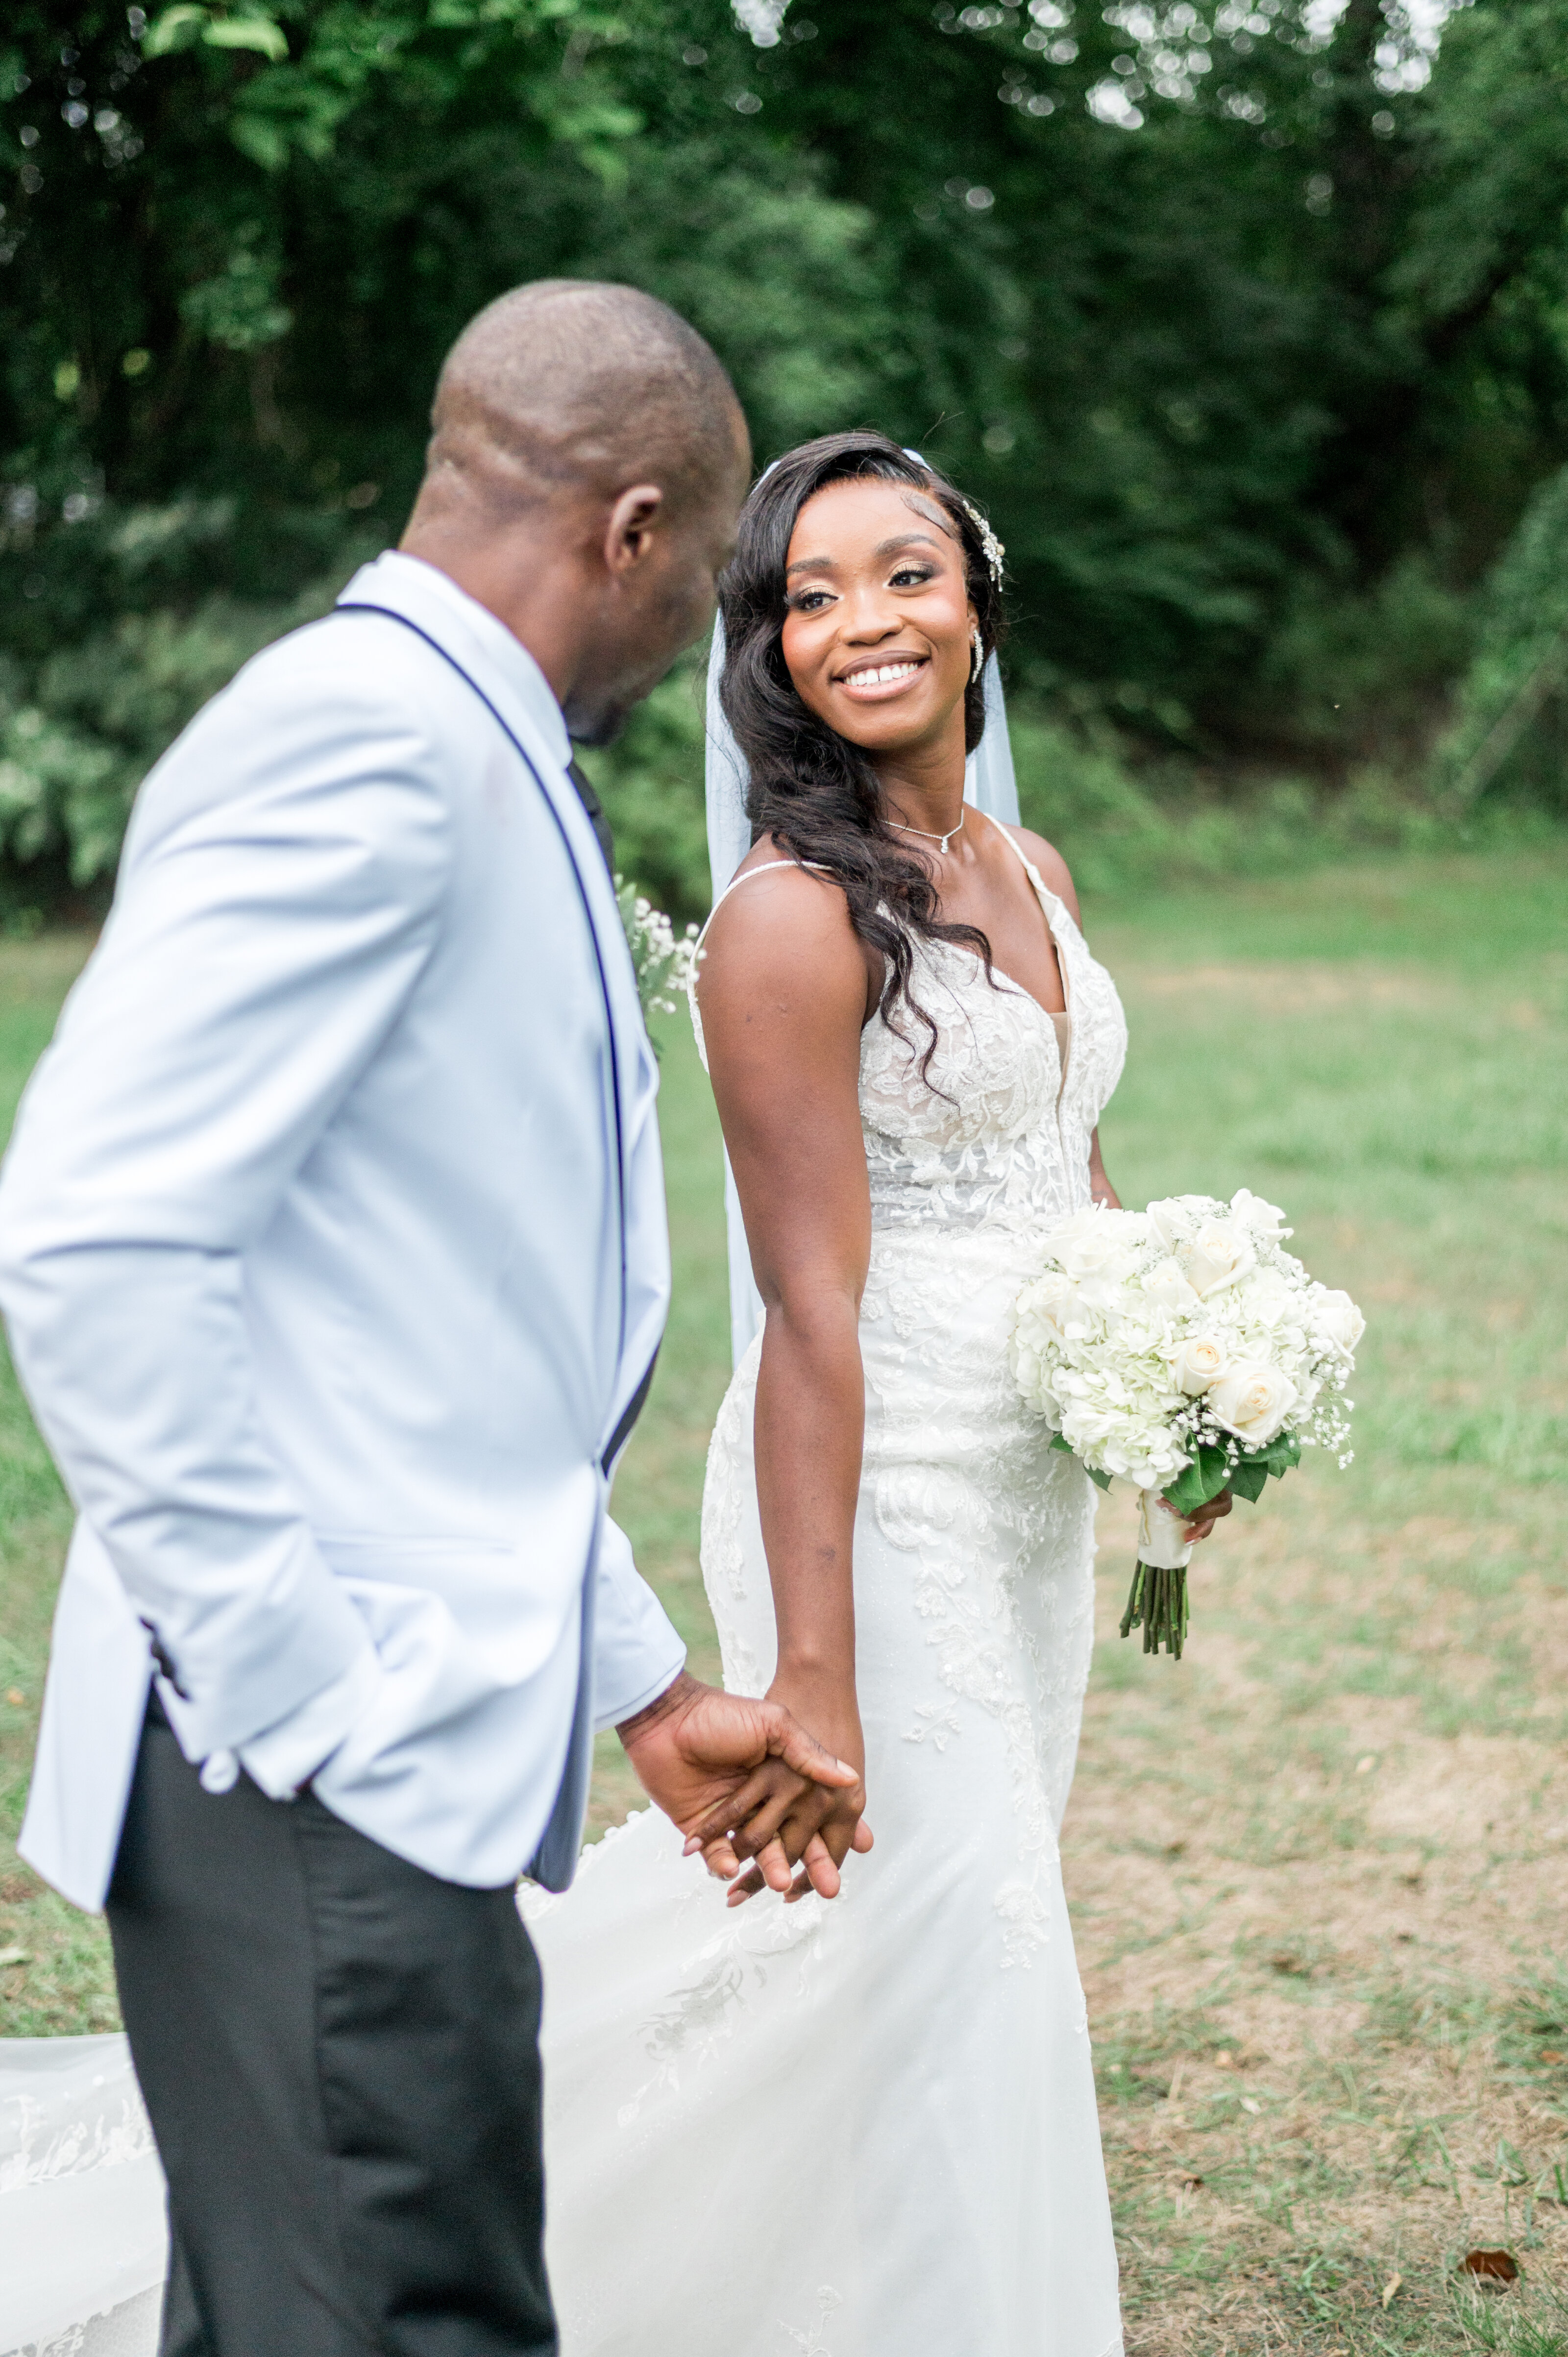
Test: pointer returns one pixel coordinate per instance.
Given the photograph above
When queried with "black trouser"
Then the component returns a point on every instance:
(340, 2056)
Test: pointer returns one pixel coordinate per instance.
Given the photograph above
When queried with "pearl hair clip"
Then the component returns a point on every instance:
(994, 552)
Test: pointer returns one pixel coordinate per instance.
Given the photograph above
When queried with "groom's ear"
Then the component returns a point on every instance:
(632, 527)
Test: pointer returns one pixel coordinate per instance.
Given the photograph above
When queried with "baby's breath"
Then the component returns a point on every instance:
(664, 962)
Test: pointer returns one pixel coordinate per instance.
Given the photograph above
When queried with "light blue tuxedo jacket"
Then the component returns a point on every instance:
(333, 1251)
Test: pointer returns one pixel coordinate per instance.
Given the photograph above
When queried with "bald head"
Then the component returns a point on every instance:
(574, 386)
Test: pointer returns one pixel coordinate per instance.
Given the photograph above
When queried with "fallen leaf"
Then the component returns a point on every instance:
(1249, 2104)
(1389, 2288)
(14, 1956)
(1551, 2054)
(1491, 2266)
(16, 1698)
(1364, 1765)
(1225, 2060)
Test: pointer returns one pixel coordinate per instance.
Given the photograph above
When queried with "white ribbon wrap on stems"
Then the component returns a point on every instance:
(1160, 1540)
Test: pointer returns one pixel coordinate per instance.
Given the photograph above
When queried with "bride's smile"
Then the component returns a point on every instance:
(878, 623)
(879, 681)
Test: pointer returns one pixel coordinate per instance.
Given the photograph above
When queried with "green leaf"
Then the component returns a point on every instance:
(247, 33)
(261, 139)
(1249, 1479)
(1282, 1453)
(1202, 1479)
(165, 33)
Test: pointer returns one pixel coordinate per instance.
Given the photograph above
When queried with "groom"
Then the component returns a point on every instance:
(332, 1246)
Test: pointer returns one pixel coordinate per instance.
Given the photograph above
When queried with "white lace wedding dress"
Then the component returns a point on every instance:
(868, 2128)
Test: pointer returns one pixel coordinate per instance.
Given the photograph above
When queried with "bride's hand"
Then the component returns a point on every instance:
(1200, 1524)
(813, 1825)
(713, 1761)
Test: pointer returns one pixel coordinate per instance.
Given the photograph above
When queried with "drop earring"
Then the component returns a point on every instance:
(977, 660)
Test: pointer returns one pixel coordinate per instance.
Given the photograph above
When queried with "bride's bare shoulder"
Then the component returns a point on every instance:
(773, 899)
(778, 922)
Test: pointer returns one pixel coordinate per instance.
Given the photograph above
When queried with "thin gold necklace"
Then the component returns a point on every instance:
(930, 832)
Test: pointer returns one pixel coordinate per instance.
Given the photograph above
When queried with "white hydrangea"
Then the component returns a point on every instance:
(1149, 1335)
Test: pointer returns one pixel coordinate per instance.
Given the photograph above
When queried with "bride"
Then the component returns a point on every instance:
(867, 2128)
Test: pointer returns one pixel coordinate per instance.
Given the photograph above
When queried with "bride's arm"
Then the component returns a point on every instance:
(784, 990)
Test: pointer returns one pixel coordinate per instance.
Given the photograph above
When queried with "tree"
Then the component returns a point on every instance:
(1242, 320)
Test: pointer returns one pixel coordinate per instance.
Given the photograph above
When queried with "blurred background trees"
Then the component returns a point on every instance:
(1245, 319)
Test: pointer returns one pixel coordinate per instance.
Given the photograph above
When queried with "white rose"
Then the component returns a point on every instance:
(1171, 1221)
(1268, 1297)
(1253, 1403)
(1049, 1302)
(1096, 1241)
(1336, 1316)
(1258, 1218)
(1167, 1284)
(1220, 1255)
(1200, 1362)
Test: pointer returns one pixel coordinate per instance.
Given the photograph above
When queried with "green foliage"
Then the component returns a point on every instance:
(1248, 331)
(1510, 717)
(76, 743)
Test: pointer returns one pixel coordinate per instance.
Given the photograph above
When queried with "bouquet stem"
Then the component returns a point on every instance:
(1157, 1600)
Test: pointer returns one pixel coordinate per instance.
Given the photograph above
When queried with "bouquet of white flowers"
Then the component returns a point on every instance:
(663, 963)
(1181, 1349)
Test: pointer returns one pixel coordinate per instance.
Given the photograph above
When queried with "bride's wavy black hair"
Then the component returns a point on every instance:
(810, 787)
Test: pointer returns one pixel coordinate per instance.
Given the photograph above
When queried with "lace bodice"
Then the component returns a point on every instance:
(994, 1134)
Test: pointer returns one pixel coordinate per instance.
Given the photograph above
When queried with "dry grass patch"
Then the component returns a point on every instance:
(1321, 1952)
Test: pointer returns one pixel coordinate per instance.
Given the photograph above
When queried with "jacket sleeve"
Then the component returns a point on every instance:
(636, 1652)
(280, 894)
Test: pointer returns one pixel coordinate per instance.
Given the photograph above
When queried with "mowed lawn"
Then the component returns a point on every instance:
(1319, 1868)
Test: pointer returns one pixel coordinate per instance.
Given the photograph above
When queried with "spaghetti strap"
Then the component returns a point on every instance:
(734, 885)
(736, 881)
(1006, 833)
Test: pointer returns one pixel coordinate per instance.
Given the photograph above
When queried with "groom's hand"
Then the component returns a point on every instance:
(715, 1762)
(813, 1823)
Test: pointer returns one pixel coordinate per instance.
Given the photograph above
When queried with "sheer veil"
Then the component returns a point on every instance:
(988, 783)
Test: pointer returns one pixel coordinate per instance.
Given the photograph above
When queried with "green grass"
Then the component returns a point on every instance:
(1319, 1869)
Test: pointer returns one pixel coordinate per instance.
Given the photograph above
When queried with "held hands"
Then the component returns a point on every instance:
(814, 1822)
(743, 1779)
